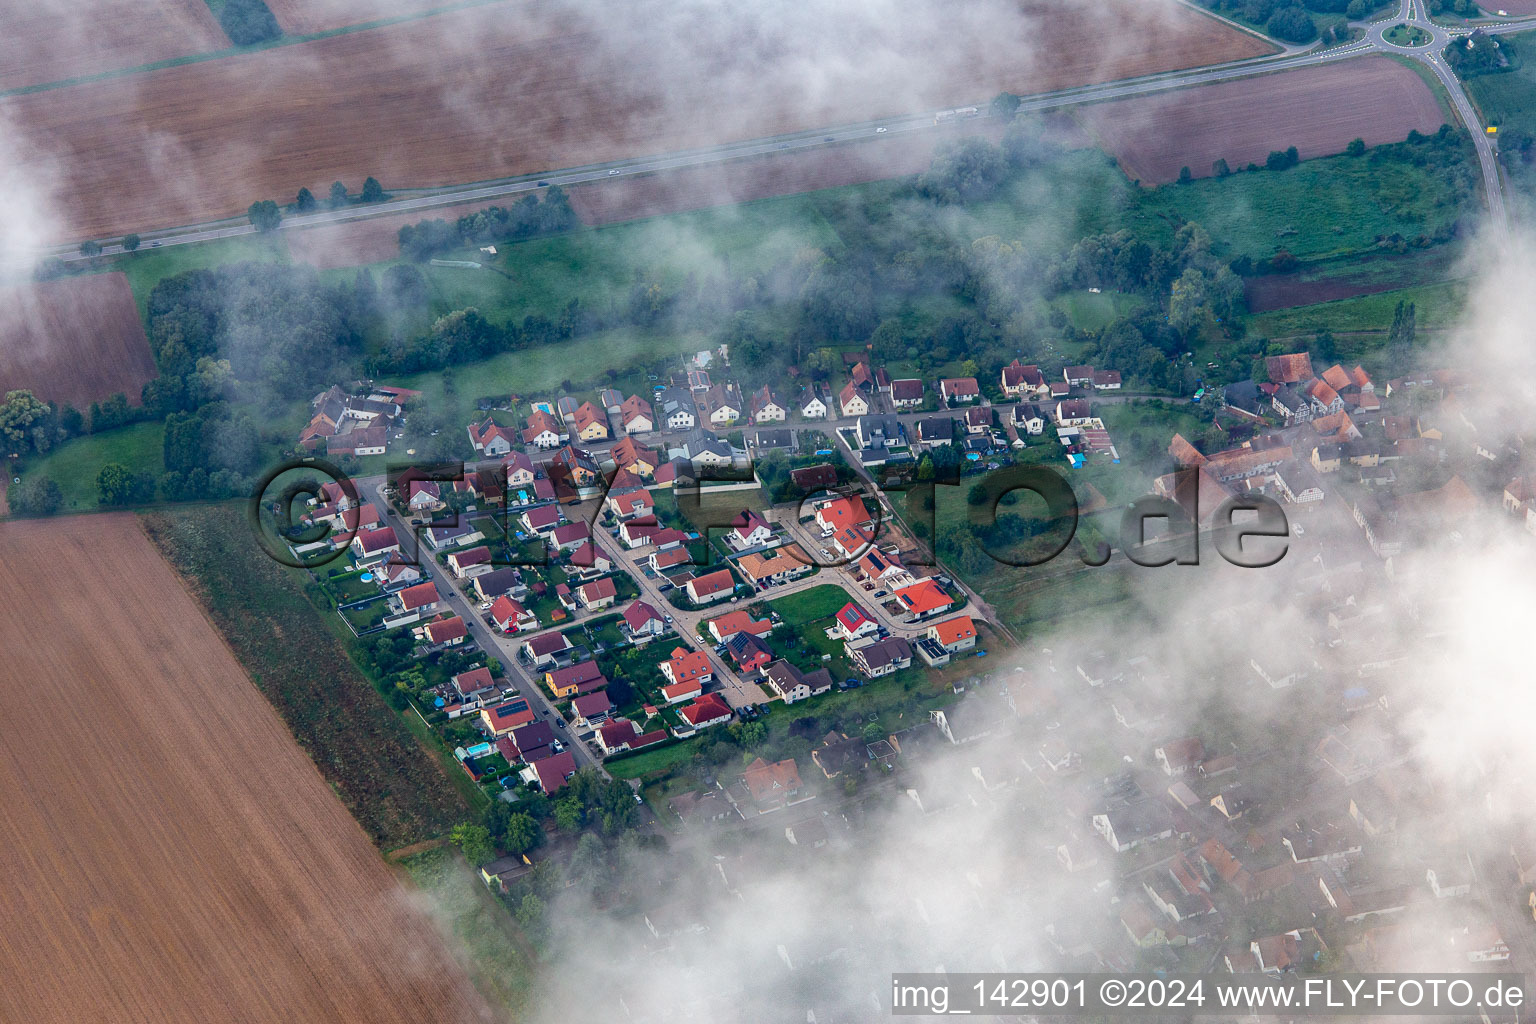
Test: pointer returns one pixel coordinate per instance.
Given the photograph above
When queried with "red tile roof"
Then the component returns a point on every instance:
(954, 630)
(444, 630)
(708, 708)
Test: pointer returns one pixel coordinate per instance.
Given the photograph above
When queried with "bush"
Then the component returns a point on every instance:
(1292, 24)
(36, 496)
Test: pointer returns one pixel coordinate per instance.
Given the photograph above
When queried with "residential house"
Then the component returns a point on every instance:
(474, 686)
(636, 416)
(631, 505)
(1105, 380)
(542, 520)
(503, 718)
(749, 530)
(880, 432)
(555, 771)
(731, 623)
(936, 430)
(851, 623)
(846, 522)
(591, 423)
(720, 405)
(591, 709)
(749, 652)
(767, 568)
(907, 393)
(491, 439)
(707, 711)
(1073, 412)
(852, 402)
(792, 685)
(687, 673)
(711, 587)
(959, 390)
(769, 787)
(574, 466)
(470, 562)
(511, 617)
(371, 546)
(676, 409)
(543, 431)
(421, 599)
(812, 406)
(1077, 376)
(978, 420)
(953, 635)
(880, 657)
(1020, 381)
(598, 594)
(811, 479)
(443, 631)
(573, 680)
(1180, 756)
(767, 406)
(519, 470)
(1126, 826)
(1289, 369)
(924, 599)
(641, 622)
(1028, 418)
(542, 650)
(619, 734)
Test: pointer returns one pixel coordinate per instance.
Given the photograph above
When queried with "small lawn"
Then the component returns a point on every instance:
(821, 602)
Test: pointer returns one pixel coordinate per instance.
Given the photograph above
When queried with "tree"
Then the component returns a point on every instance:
(338, 194)
(248, 22)
(569, 814)
(90, 249)
(1185, 175)
(977, 495)
(1005, 105)
(373, 192)
(265, 215)
(475, 842)
(116, 484)
(21, 420)
(305, 201)
(1219, 168)
(1292, 24)
(522, 833)
(1356, 147)
(130, 243)
(36, 496)
(589, 858)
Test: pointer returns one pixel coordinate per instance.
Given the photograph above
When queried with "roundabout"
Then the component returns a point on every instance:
(1407, 36)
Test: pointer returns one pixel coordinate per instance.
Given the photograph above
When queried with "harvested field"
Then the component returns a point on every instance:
(171, 853)
(74, 340)
(1317, 110)
(55, 42)
(1367, 277)
(301, 17)
(504, 89)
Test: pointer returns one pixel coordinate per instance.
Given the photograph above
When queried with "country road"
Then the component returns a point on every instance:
(1374, 42)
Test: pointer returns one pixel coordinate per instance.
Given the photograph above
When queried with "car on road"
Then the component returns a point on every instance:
(881, 130)
(669, 620)
(881, 593)
(664, 588)
(639, 799)
(699, 637)
(543, 184)
(560, 723)
(614, 171)
(869, 586)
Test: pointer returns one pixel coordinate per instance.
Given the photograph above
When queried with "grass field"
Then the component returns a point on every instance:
(191, 857)
(1508, 100)
(148, 266)
(1093, 311)
(810, 605)
(398, 789)
(481, 931)
(1437, 306)
(74, 465)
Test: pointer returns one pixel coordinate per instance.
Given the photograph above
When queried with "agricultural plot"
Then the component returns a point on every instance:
(74, 340)
(55, 42)
(302, 17)
(1317, 110)
(542, 87)
(188, 863)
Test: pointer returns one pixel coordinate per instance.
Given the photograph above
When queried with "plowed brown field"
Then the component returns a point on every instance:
(170, 853)
(1317, 110)
(75, 340)
(53, 42)
(301, 17)
(511, 88)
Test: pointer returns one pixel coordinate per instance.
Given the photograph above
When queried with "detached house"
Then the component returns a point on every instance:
(768, 407)
(792, 685)
(542, 650)
(720, 405)
(880, 657)
(591, 423)
(852, 623)
(749, 530)
(641, 622)
(543, 430)
(490, 438)
(444, 631)
(956, 634)
(676, 409)
(959, 389)
(371, 546)
(852, 402)
(811, 404)
(470, 562)
(1020, 381)
(687, 674)
(711, 587)
(597, 594)
(907, 393)
(511, 617)
(636, 416)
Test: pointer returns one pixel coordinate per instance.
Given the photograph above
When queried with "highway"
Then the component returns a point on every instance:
(1374, 42)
